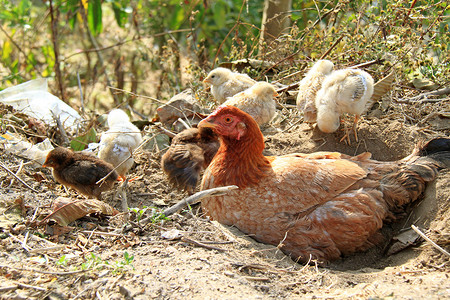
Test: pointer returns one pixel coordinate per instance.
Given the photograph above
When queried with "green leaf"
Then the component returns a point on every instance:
(6, 52)
(220, 14)
(120, 14)
(177, 18)
(23, 7)
(81, 142)
(95, 16)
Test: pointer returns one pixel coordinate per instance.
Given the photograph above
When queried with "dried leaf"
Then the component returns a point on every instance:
(66, 210)
(172, 234)
(382, 86)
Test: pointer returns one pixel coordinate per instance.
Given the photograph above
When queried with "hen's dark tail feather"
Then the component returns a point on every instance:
(408, 183)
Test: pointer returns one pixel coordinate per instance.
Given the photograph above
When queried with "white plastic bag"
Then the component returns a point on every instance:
(33, 99)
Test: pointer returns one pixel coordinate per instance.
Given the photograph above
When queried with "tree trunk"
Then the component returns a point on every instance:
(275, 20)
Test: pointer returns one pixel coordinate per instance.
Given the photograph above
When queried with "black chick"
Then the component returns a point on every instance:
(189, 154)
(81, 171)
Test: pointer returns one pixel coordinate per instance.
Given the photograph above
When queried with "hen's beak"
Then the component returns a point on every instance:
(206, 80)
(208, 122)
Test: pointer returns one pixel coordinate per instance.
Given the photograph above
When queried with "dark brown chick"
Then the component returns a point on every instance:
(189, 154)
(81, 171)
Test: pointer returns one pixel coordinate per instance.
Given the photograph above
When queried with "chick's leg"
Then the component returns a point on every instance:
(346, 136)
(354, 127)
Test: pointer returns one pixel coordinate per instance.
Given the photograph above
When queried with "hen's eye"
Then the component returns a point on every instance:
(228, 119)
(213, 76)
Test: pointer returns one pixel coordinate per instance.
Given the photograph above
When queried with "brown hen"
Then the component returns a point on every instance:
(322, 205)
(81, 171)
(189, 154)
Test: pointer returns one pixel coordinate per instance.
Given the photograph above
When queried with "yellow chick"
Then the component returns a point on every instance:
(343, 91)
(121, 139)
(308, 87)
(257, 101)
(225, 83)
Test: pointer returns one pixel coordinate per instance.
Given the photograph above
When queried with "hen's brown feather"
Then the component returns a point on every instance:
(189, 154)
(322, 204)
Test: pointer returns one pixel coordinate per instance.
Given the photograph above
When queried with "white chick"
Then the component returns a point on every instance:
(257, 101)
(225, 83)
(121, 139)
(308, 87)
(343, 91)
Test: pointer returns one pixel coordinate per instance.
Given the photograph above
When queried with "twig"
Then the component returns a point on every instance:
(184, 123)
(27, 248)
(254, 278)
(366, 64)
(219, 191)
(54, 16)
(166, 132)
(102, 233)
(99, 54)
(197, 243)
(81, 93)
(185, 202)
(43, 272)
(228, 34)
(26, 56)
(440, 92)
(62, 130)
(18, 178)
(17, 173)
(332, 46)
(429, 240)
(48, 249)
(27, 286)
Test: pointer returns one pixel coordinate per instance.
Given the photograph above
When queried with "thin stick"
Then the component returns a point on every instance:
(197, 243)
(429, 240)
(48, 249)
(61, 128)
(43, 272)
(332, 46)
(440, 92)
(99, 54)
(17, 173)
(102, 233)
(54, 16)
(184, 123)
(187, 201)
(18, 178)
(81, 93)
(166, 132)
(20, 242)
(219, 191)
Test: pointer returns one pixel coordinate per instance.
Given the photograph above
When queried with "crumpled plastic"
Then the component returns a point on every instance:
(33, 99)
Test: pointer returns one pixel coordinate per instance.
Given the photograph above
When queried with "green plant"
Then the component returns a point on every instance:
(139, 212)
(62, 261)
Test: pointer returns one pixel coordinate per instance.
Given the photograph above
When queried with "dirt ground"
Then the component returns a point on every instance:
(93, 258)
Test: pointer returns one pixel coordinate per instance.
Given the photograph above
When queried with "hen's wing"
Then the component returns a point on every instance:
(183, 164)
(308, 204)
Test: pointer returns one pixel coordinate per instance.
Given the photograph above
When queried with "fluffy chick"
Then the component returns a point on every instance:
(343, 91)
(81, 171)
(189, 154)
(121, 139)
(308, 87)
(225, 83)
(257, 101)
